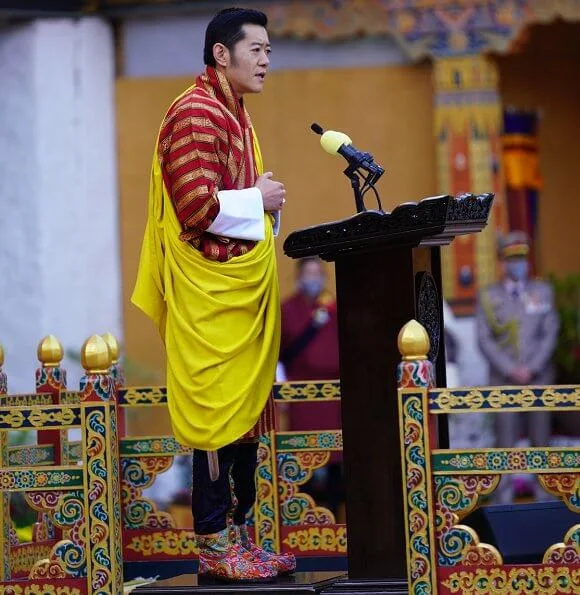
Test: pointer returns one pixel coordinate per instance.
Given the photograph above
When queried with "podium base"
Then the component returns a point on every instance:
(299, 583)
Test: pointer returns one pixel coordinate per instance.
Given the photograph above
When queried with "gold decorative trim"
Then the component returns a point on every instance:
(505, 398)
(514, 581)
(140, 396)
(317, 539)
(568, 551)
(301, 392)
(170, 543)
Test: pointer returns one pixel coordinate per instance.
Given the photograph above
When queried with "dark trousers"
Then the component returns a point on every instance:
(212, 500)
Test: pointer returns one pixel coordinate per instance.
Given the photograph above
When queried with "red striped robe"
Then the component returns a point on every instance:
(206, 145)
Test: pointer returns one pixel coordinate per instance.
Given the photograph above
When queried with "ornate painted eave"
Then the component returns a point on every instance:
(435, 28)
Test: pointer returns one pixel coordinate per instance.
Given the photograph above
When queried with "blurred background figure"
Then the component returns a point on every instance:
(517, 328)
(173, 488)
(309, 351)
(467, 430)
(452, 337)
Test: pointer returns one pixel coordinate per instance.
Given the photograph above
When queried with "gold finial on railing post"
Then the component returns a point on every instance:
(115, 350)
(118, 375)
(97, 384)
(113, 346)
(415, 370)
(50, 352)
(413, 341)
(50, 378)
(415, 373)
(95, 355)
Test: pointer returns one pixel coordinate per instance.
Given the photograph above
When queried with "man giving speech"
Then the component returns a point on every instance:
(208, 279)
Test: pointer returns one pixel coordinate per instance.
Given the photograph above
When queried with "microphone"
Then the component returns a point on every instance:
(317, 128)
(334, 142)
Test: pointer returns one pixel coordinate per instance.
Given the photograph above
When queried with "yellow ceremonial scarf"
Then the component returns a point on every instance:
(220, 322)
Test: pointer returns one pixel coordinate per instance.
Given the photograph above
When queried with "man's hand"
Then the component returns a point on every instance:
(273, 193)
(521, 375)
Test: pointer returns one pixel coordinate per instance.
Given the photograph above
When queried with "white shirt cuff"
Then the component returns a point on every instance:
(241, 215)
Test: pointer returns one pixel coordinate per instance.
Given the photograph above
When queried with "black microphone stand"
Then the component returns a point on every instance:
(358, 161)
(352, 172)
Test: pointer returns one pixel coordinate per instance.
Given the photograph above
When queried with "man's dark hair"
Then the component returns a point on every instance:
(302, 262)
(226, 28)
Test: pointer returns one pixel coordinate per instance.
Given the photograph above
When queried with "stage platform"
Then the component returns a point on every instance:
(301, 582)
(322, 583)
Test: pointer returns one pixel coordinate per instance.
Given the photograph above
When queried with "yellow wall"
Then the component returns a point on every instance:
(546, 76)
(387, 111)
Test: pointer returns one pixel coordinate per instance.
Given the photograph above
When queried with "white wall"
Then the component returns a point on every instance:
(59, 241)
(19, 218)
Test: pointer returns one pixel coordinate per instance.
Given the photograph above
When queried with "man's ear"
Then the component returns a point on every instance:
(221, 54)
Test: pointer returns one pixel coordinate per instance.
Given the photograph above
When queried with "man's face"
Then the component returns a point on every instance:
(312, 280)
(248, 61)
(516, 268)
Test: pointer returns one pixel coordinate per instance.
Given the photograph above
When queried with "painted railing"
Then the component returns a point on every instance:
(442, 487)
(93, 515)
(285, 518)
(76, 545)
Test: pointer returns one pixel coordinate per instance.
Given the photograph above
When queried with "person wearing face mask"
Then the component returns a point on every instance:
(309, 351)
(517, 328)
(309, 342)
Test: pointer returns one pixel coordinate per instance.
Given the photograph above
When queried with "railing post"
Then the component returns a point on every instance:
(414, 377)
(267, 516)
(51, 379)
(5, 522)
(100, 453)
(116, 371)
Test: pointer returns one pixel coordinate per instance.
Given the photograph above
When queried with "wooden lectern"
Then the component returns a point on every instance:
(388, 271)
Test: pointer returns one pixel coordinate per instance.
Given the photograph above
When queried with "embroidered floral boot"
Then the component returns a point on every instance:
(282, 563)
(222, 559)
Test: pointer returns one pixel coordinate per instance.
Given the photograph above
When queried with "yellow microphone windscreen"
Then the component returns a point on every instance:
(331, 141)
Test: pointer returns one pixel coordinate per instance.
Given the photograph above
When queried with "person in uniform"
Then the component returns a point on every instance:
(517, 329)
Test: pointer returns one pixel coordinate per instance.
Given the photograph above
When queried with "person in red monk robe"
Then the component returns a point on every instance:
(309, 351)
